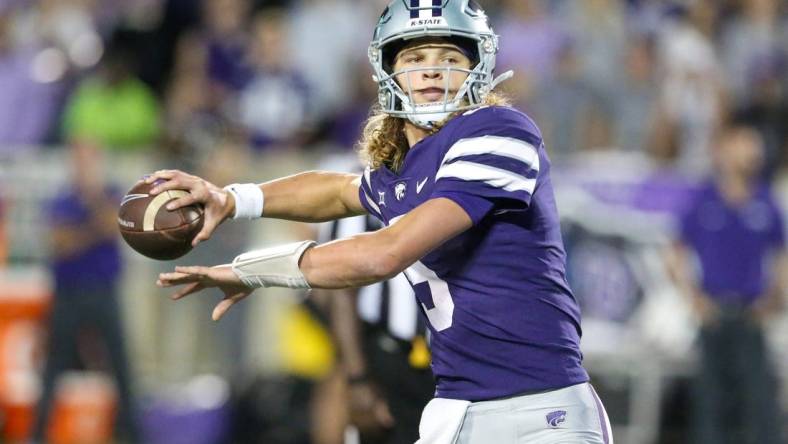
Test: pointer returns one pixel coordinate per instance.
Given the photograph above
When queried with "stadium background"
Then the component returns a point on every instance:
(628, 94)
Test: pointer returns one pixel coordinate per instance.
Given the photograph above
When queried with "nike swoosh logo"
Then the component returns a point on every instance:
(420, 185)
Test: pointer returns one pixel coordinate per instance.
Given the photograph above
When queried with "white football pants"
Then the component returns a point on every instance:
(569, 415)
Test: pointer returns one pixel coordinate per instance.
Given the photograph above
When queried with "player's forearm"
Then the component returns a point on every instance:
(353, 262)
(313, 196)
(372, 257)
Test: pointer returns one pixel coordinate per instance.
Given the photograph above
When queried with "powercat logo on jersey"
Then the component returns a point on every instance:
(399, 190)
(426, 13)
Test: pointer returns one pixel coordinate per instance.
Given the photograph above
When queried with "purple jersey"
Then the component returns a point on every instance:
(733, 244)
(502, 317)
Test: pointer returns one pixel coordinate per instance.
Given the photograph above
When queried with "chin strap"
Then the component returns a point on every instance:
(427, 119)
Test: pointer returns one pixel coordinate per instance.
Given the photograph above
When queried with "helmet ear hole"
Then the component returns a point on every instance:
(397, 102)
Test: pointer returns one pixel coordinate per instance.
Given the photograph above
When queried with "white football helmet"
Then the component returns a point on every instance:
(460, 21)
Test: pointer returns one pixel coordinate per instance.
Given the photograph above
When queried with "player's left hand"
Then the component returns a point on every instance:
(196, 278)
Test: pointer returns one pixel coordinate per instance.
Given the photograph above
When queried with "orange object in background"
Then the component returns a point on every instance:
(84, 410)
(84, 402)
(25, 295)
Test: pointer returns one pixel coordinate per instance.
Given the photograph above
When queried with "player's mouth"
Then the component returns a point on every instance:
(432, 94)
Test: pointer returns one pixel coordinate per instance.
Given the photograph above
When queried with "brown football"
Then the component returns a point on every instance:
(154, 231)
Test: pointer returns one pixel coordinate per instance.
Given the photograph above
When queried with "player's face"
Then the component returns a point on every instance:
(427, 83)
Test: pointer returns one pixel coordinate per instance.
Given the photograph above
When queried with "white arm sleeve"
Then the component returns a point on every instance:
(273, 267)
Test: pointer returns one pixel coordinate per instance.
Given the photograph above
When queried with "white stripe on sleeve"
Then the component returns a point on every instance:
(500, 146)
(372, 204)
(492, 176)
(370, 201)
(367, 172)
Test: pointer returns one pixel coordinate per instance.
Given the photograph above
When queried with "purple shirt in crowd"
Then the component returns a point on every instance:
(502, 318)
(27, 108)
(733, 244)
(97, 267)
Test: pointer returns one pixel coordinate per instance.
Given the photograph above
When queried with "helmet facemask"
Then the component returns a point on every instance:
(396, 99)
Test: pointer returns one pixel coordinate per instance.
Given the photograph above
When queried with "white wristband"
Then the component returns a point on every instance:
(273, 267)
(248, 200)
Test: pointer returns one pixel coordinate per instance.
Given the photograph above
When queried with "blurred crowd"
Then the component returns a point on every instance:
(204, 84)
(178, 76)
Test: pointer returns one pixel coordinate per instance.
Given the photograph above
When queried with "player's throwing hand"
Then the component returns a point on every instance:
(218, 207)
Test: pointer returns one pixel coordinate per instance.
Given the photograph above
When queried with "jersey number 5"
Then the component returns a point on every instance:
(433, 295)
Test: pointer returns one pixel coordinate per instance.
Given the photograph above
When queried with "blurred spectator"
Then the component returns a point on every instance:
(563, 106)
(68, 25)
(171, 22)
(756, 60)
(193, 119)
(768, 112)
(691, 105)
(113, 107)
(275, 106)
(30, 89)
(211, 67)
(635, 95)
(86, 267)
(349, 120)
(597, 28)
(734, 230)
(646, 16)
(531, 45)
(226, 38)
(323, 39)
(749, 42)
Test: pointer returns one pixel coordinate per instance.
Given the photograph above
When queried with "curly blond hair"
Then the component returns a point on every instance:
(383, 141)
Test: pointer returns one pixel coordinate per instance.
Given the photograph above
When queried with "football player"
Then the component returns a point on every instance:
(462, 185)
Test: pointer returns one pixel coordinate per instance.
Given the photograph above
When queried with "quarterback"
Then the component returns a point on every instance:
(462, 184)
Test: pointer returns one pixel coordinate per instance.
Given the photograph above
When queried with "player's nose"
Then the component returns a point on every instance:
(432, 74)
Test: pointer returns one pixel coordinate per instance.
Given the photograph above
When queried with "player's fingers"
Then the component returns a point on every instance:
(176, 182)
(207, 229)
(222, 307)
(187, 290)
(170, 279)
(181, 202)
(194, 270)
(160, 175)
